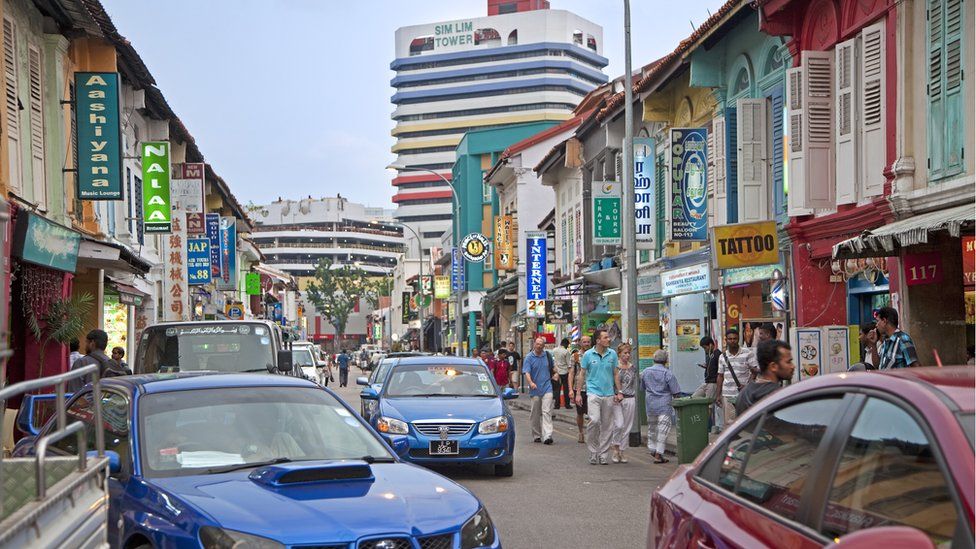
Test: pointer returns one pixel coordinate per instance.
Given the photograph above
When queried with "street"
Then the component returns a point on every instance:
(556, 498)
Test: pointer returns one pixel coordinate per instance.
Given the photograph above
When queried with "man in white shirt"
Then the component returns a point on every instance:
(736, 366)
(560, 379)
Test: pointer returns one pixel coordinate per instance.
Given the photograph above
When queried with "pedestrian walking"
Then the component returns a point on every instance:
(625, 380)
(343, 359)
(775, 366)
(709, 387)
(118, 355)
(514, 363)
(578, 386)
(325, 371)
(599, 363)
(898, 350)
(499, 368)
(74, 354)
(95, 343)
(660, 386)
(560, 381)
(736, 366)
(536, 367)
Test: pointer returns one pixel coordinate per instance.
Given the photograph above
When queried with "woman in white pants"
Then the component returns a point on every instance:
(625, 380)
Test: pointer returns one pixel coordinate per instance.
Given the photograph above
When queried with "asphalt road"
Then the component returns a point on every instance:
(556, 498)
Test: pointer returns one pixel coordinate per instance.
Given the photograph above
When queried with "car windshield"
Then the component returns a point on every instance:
(381, 370)
(194, 347)
(207, 430)
(302, 357)
(439, 380)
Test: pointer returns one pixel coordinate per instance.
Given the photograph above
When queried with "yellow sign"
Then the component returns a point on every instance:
(745, 245)
(442, 286)
(504, 251)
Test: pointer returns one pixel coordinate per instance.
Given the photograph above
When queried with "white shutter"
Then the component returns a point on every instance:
(718, 167)
(797, 196)
(818, 129)
(872, 103)
(36, 125)
(847, 130)
(751, 144)
(12, 102)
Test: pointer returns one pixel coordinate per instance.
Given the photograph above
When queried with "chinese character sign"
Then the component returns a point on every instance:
(99, 137)
(644, 205)
(535, 265)
(687, 195)
(606, 212)
(197, 261)
(175, 287)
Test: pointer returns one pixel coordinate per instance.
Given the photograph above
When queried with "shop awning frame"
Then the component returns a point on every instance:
(912, 231)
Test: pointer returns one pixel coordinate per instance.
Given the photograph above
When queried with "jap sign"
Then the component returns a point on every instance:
(504, 249)
(687, 194)
(197, 261)
(686, 280)
(644, 198)
(457, 270)
(559, 311)
(213, 234)
(175, 286)
(99, 137)
(156, 200)
(536, 262)
(745, 245)
(475, 246)
(228, 254)
(606, 212)
(442, 286)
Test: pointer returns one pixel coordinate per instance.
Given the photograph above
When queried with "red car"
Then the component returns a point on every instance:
(874, 460)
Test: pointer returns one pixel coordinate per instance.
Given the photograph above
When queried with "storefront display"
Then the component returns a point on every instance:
(116, 316)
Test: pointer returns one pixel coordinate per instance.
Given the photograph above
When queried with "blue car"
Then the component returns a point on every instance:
(241, 460)
(449, 409)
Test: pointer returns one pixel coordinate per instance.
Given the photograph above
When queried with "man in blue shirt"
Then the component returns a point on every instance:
(536, 367)
(343, 360)
(599, 363)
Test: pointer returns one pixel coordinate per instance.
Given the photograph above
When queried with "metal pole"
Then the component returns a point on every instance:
(629, 214)
(420, 304)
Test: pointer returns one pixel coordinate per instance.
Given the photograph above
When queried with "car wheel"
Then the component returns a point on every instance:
(506, 470)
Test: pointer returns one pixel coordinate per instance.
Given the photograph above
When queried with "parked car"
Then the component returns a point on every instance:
(303, 358)
(842, 457)
(450, 411)
(246, 460)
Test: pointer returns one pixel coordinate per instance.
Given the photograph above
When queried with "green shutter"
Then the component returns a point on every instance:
(660, 199)
(945, 88)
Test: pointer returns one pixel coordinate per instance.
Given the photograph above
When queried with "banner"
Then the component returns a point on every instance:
(156, 200)
(457, 271)
(197, 261)
(228, 254)
(442, 286)
(99, 136)
(606, 212)
(688, 194)
(536, 267)
(644, 184)
(745, 245)
(213, 235)
(504, 247)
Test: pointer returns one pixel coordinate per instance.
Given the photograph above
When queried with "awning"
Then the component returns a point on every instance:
(510, 284)
(608, 278)
(109, 256)
(128, 294)
(885, 240)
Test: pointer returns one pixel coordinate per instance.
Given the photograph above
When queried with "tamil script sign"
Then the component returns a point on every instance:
(606, 212)
(745, 245)
(536, 262)
(687, 193)
(686, 280)
(504, 248)
(644, 203)
(197, 261)
(99, 136)
(156, 200)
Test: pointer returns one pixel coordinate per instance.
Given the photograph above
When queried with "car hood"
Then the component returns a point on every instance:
(412, 409)
(400, 498)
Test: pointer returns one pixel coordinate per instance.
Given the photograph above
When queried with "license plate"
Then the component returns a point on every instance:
(444, 448)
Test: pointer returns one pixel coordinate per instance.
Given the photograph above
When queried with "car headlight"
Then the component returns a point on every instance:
(494, 425)
(478, 531)
(391, 426)
(218, 538)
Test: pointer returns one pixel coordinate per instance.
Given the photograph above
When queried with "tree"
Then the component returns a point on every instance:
(378, 287)
(334, 290)
(63, 321)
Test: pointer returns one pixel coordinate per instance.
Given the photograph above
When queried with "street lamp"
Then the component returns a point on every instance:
(420, 253)
(458, 307)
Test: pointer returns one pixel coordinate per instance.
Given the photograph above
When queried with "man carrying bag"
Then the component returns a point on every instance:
(737, 365)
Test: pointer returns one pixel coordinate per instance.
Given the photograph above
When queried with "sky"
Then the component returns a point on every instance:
(291, 98)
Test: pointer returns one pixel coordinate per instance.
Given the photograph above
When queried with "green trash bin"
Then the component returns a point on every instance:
(692, 426)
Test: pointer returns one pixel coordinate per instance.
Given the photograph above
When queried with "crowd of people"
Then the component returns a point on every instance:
(96, 342)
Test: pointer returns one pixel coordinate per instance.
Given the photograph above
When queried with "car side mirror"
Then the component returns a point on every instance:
(369, 394)
(362, 380)
(884, 536)
(400, 444)
(114, 460)
(285, 363)
(508, 393)
(35, 410)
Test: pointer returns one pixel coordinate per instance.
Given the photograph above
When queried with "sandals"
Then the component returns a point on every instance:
(581, 440)
(658, 458)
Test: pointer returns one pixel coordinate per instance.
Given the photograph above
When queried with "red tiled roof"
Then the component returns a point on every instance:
(535, 140)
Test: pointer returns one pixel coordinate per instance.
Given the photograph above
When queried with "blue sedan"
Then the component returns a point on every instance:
(239, 460)
(449, 409)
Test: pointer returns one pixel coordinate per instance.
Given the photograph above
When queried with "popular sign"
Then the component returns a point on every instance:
(606, 212)
(745, 245)
(686, 280)
(504, 249)
(536, 262)
(99, 159)
(156, 205)
(687, 196)
(644, 205)
(474, 247)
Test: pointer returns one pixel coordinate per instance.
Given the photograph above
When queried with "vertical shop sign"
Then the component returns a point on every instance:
(405, 307)
(606, 212)
(213, 234)
(536, 270)
(648, 335)
(644, 205)
(99, 136)
(197, 261)
(504, 248)
(969, 260)
(457, 270)
(192, 193)
(156, 200)
(196, 224)
(228, 254)
(687, 194)
(252, 283)
(442, 287)
(176, 290)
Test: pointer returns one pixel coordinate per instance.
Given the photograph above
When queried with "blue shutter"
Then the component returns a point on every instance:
(776, 118)
(732, 167)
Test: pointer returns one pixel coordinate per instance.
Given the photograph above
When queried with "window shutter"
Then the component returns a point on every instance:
(719, 208)
(818, 128)
(847, 130)
(12, 101)
(797, 195)
(872, 112)
(937, 115)
(36, 125)
(753, 195)
(731, 168)
(776, 171)
(955, 132)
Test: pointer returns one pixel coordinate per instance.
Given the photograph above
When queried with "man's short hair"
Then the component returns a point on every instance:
(74, 345)
(889, 314)
(867, 327)
(564, 342)
(769, 351)
(120, 350)
(732, 331)
(706, 341)
(486, 349)
(503, 352)
(769, 328)
(597, 333)
(99, 338)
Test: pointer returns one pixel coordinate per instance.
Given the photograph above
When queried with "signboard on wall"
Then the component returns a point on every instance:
(969, 260)
(559, 311)
(536, 266)
(687, 192)
(99, 136)
(457, 270)
(924, 268)
(42, 242)
(156, 199)
(648, 335)
(745, 245)
(686, 280)
(175, 286)
(504, 247)
(606, 212)
(197, 261)
(213, 235)
(645, 205)
(442, 286)
(808, 352)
